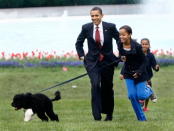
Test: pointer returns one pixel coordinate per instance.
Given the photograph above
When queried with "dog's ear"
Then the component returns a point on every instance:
(28, 95)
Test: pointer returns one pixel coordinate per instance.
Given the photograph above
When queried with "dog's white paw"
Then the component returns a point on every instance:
(28, 115)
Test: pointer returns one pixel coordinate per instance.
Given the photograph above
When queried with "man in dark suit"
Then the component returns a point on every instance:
(99, 62)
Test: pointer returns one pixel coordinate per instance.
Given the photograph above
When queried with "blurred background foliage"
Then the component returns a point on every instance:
(45, 3)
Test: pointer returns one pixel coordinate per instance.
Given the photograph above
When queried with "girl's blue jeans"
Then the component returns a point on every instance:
(136, 92)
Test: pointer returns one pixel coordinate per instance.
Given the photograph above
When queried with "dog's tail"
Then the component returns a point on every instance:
(57, 96)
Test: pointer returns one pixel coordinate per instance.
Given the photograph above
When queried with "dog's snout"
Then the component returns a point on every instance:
(12, 104)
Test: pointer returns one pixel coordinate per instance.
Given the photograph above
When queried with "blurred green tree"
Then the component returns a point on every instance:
(41, 3)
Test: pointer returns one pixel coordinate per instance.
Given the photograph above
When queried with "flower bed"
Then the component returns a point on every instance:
(52, 59)
(39, 59)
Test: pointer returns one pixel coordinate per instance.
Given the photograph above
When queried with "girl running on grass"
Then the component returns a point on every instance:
(151, 64)
(134, 71)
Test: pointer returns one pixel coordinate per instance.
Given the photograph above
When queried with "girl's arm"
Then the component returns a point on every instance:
(153, 63)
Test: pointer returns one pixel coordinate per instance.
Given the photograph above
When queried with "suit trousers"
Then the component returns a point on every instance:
(102, 94)
(136, 92)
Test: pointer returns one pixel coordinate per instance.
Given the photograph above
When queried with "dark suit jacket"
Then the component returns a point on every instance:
(109, 32)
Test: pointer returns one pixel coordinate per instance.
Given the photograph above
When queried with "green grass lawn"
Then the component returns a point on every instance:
(74, 109)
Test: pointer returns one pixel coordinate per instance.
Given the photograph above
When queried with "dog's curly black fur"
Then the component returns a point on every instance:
(39, 103)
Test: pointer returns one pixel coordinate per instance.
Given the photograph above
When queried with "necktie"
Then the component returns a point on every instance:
(97, 40)
(97, 36)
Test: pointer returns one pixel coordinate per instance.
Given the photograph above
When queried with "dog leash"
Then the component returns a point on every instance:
(75, 78)
(62, 83)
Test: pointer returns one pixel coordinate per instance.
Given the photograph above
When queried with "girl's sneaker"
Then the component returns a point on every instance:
(153, 97)
(145, 109)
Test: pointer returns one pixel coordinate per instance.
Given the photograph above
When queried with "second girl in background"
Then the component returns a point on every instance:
(151, 64)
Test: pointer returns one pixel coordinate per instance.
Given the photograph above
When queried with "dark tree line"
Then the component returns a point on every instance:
(42, 3)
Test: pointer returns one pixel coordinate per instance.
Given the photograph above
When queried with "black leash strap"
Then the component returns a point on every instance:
(65, 82)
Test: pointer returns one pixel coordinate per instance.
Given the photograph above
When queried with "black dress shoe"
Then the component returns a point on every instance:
(98, 118)
(108, 118)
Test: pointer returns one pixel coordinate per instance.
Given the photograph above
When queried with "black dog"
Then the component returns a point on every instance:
(39, 103)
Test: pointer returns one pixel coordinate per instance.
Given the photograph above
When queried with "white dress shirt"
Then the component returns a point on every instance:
(100, 28)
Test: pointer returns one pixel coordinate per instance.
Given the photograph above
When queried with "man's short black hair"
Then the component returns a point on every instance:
(97, 8)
